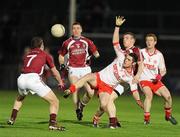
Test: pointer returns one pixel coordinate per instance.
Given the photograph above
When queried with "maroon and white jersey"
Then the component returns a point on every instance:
(78, 51)
(115, 72)
(135, 50)
(152, 64)
(35, 61)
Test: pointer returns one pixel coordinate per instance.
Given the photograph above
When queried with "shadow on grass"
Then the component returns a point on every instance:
(69, 121)
(1, 126)
(89, 123)
(84, 123)
(28, 125)
(43, 122)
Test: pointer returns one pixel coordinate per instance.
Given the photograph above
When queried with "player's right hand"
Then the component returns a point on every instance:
(61, 86)
(67, 92)
(154, 81)
(125, 85)
(119, 20)
(158, 78)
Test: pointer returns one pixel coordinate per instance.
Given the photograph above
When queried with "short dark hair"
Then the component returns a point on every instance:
(36, 42)
(130, 33)
(134, 56)
(76, 23)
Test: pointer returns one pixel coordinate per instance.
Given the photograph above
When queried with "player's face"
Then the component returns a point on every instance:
(42, 46)
(128, 41)
(150, 42)
(76, 30)
(128, 61)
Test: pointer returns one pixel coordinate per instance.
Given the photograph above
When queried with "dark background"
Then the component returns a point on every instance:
(20, 20)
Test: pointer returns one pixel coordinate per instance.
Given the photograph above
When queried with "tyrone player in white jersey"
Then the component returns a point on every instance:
(106, 82)
(78, 48)
(150, 79)
(128, 42)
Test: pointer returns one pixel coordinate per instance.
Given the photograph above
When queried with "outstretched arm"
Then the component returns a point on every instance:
(57, 76)
(115, 40)
(119, 21)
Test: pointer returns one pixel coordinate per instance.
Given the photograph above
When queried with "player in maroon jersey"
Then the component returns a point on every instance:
(30, 81)
(128, 42)
(78, 48)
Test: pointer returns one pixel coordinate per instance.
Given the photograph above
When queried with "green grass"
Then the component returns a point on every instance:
(32, 120)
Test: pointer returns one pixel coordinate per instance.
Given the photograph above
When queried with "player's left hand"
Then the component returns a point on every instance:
(158, 78)
(61, 85)
(125, 85)
(119, 20)
(135, 79)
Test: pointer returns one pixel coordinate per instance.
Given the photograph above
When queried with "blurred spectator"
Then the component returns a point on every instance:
(26, 51)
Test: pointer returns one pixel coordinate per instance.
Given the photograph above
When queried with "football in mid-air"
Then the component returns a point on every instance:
(57, 30)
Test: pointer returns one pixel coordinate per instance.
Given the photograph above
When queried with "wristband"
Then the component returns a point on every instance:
(72, 88)
(115, 43)
(158, 77)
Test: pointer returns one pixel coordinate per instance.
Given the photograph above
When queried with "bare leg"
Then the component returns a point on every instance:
(75, 96)
(53, 108)
(16, 108)
(88, 95)
(82, 103)
(104, 98)
(136, 96)
(53, 101)
(111, 108)
(147, 104)
(89, 78)
(164, 92)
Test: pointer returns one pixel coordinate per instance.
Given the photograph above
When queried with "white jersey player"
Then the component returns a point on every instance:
(117, 72)
(150, 79)
(152, 64)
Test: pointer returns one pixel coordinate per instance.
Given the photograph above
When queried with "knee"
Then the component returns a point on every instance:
(55, 101)
(103, 105)
(168, 98)
(149, 97)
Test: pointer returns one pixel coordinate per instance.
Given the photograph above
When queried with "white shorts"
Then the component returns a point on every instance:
(79, 72)
(119, 89)
(32, 82)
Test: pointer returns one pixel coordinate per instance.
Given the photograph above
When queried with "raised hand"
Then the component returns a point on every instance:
(119, 20)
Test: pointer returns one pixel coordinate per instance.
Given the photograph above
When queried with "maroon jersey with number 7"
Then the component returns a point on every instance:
(35, 61)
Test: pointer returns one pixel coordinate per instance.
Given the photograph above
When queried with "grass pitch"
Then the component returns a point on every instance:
(32, 120)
